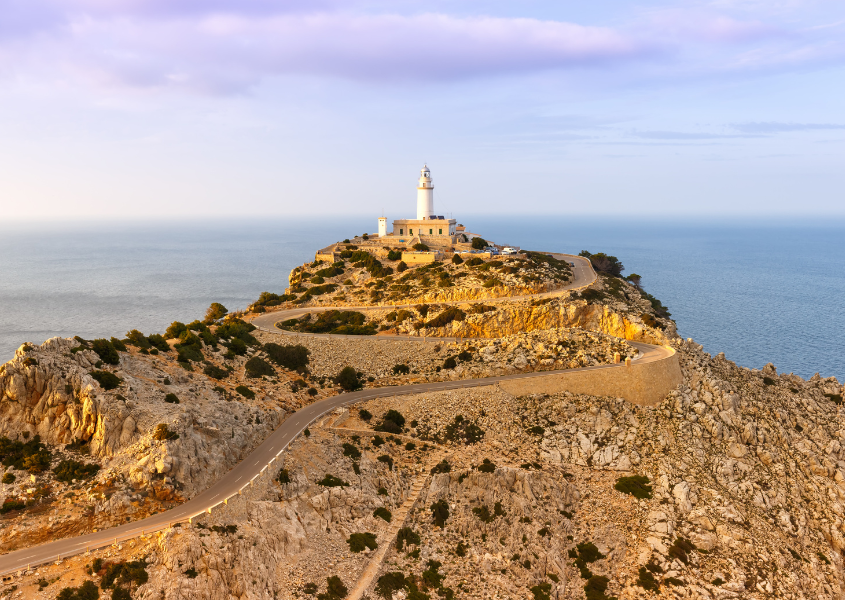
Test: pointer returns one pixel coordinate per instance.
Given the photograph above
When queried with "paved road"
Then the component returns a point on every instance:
(260, 463)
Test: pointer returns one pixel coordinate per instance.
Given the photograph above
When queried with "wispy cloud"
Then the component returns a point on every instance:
(773, 127)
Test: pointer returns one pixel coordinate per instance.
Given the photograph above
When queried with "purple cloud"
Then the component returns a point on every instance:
(210, 46)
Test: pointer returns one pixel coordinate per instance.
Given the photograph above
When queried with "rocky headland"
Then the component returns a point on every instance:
(732, 486)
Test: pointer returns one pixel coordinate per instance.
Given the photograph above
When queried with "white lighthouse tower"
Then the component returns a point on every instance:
(425, 195)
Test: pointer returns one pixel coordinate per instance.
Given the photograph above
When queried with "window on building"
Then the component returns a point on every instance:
(430, 231)
(400, 231)
(411, 231)
(440, 231)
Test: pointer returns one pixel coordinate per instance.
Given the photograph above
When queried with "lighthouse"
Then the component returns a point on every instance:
(425, 195)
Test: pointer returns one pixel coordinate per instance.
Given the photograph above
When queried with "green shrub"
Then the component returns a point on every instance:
(483, 513)
(8, 478)
(769, 381)
(358, 541)
(289, 357)
(410, 446)
(68, 470)
(390, 583)
(596, 587)
(541, 591)
(215, 312)
(401, 267)
(162, 432)
(87, 591)
(106, 379)
(387, 459)
(10, 504)
(174, 330)
(647, 581)
(391, 422)
(382, 513)
(450, 363)
(16, 454)
(171, 398)
(394, 255)
(479, 243)
(440, 512)
(284, 476)
(585, 553)
(635, 485)
(351, 451)
(456, 259)
(378, 441)
(106, 351)
(245, 392)
(681, 548)
(124, 574)
(406, 536)
(401, 369)
(215, 372)
(332, 481)
(673, 581)
(463, 430)
(442, 467)
(365, 415)
(486, 466)
(335, 589)
(138, 339)
(348, 379)
(258, 367)
(421, 248)
(453, 313)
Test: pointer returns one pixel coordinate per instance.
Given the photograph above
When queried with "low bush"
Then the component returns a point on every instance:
(106, 379)
(365, 415)
(541, 591)
(87, 591)
(486, 466)
(596, 587)
(106, 351)
(387, 459)
(289, 357)
(245, 392)
(351, 451)
(681, 548)
(138, 339)
(391, 422)
(162, 432)
(215, 372)
(332, 481)
(479, 243)
(421, 247)
(442, 467)
(463, 430)
(407, 536)
(8, 478)
(394, 255)
(450, 363)
(440, 513)
(401, 369)
(171, 398)
(19, 454)
(453, 313)
(382, 513)
(68, 470)
(214, 313)
(483, 513)
(284, 476)
(349, 379)
(258, 367)
(647, 581)
(359, 541)
(635, 485)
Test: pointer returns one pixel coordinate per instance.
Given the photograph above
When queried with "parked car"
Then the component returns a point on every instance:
(491, 250)
(508, 250)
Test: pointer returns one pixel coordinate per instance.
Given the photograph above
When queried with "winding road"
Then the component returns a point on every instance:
(260, 461)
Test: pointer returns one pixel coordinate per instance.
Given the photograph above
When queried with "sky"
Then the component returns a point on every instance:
(127, 109)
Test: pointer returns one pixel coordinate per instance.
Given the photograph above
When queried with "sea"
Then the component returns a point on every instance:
(758, 290)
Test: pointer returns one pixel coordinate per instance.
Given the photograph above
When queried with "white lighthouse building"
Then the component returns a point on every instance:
(425, 195)
(427, 224)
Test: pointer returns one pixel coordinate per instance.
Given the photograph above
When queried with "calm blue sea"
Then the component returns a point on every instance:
(758, 291)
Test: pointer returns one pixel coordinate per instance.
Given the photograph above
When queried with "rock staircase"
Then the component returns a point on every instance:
(398, 521)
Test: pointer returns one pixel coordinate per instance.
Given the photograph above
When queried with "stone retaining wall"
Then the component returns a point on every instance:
(645, 384)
